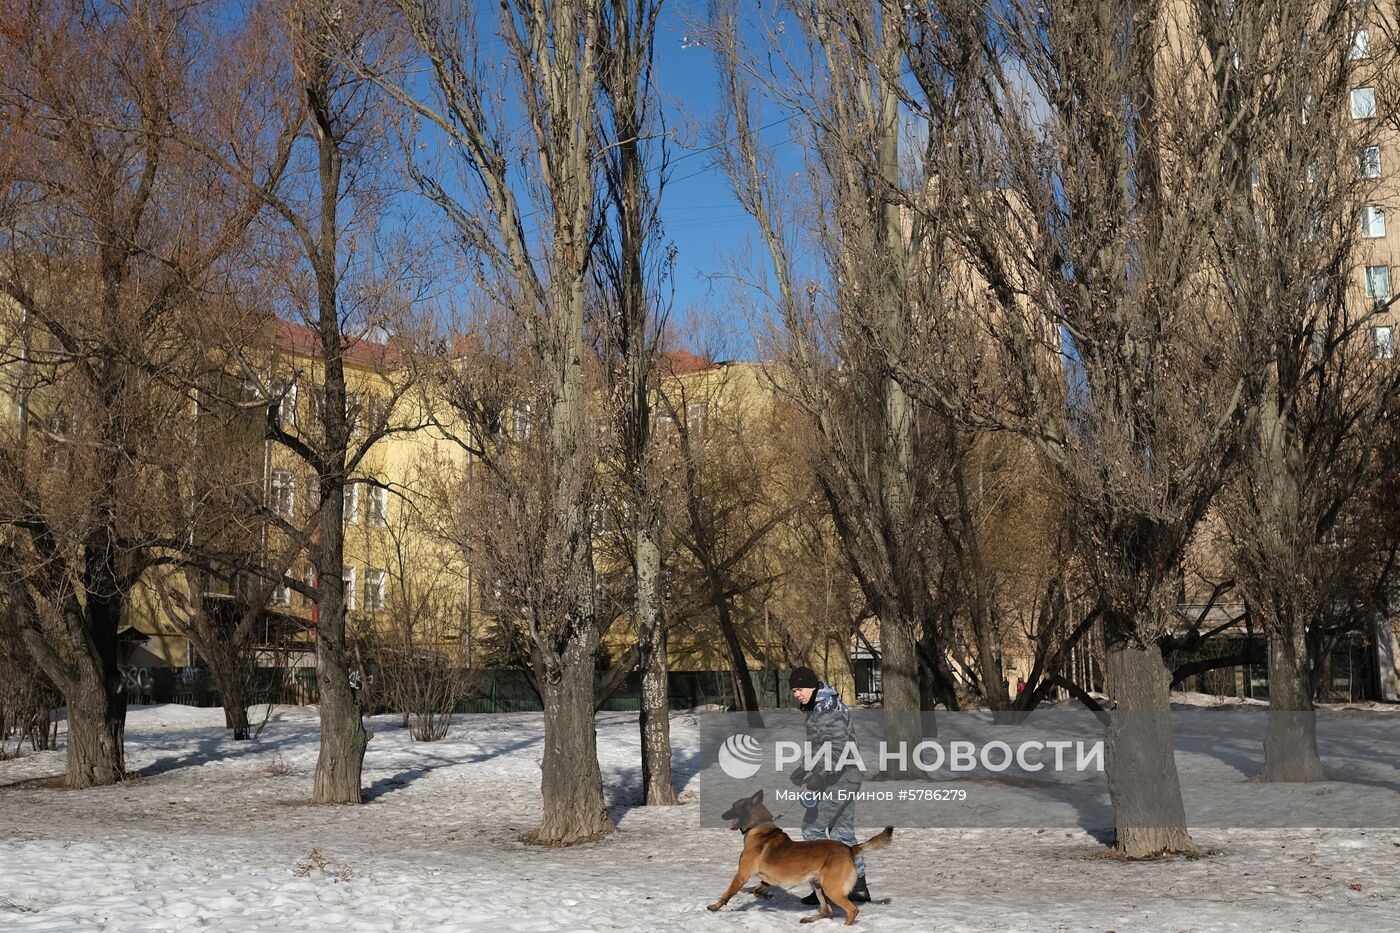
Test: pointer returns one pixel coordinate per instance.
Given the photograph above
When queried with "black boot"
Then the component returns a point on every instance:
(860, 894)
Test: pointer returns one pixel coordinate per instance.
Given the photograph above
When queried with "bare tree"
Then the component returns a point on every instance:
(726, 475)
(838, 77)
(112, 240)
(349, 288)
(1087, 230)
(415, 631)
(29, 703)
(1282, 74)
(533, 258)
(633, 267)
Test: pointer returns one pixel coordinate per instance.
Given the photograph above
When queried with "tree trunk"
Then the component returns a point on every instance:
(744, 692)
(343, 735)
(899, 674)
(234, 692)
(1290, 748)
(657, 786)
(1148, 813)
(96, 723)
(570, 780)
(936, 681)
(236, 718)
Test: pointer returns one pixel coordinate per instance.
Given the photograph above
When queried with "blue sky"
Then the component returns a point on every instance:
(699, 211)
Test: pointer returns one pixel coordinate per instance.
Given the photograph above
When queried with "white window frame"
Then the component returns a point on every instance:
(351, 503)
(1369, 161)
(374, 413)
(1383, 341)
(522, 421)
(57, 455)
(282, 492)
(1317, 288)
(1374, 275)
(281, 595)
(1373, 221)
(287, 404)
(348, 578)
(697, 415)
(377, 510)
(355, 408)
(1363, 103)
(376, 589)
(1360, 45)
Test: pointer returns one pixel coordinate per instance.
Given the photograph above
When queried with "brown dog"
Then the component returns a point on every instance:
(769, 853)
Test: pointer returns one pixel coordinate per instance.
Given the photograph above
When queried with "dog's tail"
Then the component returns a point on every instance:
(875, 843)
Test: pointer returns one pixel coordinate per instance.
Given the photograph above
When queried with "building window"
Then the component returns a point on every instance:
(1315, 227)
(355, 411)
(374, 590)
(282, 595)
(283, 490)
(286, 393)
(1360, 45)
(1378, 282)
(378, 516)
(1373, 221)
(317, 407)
(376, 413)
(352, 503)
(522, 421)
(1317, 288)
(695, 417)
(58, 449)
(313, 494)
(1319, 345)
(1369, 160)
(1363, 103)
(1383, 341)
(348, 577)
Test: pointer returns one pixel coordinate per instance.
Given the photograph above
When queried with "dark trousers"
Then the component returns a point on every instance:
(832, 818)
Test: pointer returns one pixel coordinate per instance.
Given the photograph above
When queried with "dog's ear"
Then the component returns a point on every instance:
(757, 796)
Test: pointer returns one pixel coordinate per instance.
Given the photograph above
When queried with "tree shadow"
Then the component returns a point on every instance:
(625, 788)
(221, 747)
(387, 785)
(417, 772)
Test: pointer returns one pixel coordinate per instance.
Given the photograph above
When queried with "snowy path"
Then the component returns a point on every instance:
(215, 835)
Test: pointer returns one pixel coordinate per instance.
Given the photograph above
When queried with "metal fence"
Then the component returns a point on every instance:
(495, 691)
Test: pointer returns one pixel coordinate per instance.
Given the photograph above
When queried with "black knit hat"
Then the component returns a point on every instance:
(803, 677)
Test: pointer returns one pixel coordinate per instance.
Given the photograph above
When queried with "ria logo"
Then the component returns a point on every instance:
(740, 755)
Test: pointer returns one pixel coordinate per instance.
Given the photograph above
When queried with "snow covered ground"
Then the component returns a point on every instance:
(215, 834)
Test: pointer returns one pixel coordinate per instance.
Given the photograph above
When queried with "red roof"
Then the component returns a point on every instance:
(683, 363)
(304, 340)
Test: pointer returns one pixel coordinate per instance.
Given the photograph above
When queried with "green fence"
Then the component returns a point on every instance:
(509, 691)
(496, 691)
